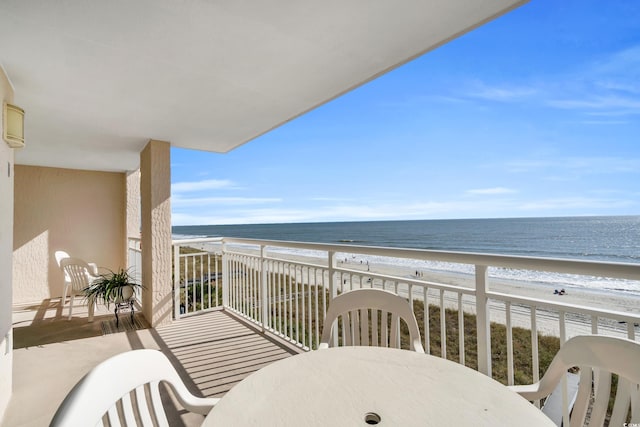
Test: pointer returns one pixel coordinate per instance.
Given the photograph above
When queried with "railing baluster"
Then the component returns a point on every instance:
(427, 337)
(507, 312)
(534, 345)
(201, 281)
(443, 326)
(176, 282)
(209, 279)
(278, 284)
(253, 285)
(193, 283)
(297, 305)
(302, 305)
(291, 297)
(216, 260)
(461, 329)
(310, 329)
(317, 313)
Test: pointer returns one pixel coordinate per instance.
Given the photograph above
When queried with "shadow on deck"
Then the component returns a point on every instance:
(217, 350)
(212, 352)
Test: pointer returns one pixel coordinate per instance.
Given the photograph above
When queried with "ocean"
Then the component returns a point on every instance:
(610, 239)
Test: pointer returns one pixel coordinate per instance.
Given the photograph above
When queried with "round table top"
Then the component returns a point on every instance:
(342, 386)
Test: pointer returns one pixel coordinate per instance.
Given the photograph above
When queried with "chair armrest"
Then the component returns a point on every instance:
(199, 405)
(417, 346)
(94, 269)
(529, 391)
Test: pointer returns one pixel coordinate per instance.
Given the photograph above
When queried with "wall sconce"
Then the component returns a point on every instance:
(13, 125)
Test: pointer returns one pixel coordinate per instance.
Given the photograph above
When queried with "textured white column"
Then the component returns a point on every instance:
(133, 203)
(155, 190)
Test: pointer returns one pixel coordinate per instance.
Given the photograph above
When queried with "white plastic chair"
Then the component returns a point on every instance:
(60, 255)
(80, 275)
(599, 356)
(125, 388)
(357, 327)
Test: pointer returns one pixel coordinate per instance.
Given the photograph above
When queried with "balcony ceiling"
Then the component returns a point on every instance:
(98, 79)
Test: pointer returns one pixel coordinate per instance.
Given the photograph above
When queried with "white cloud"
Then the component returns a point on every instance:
(207, 184)
(604, 122)
(204, 202)
(571, 203)
(623, 64)
(504, 93)
(492, 191)
(395, 210)
(617, 103)
(585, 165)
(609, 86)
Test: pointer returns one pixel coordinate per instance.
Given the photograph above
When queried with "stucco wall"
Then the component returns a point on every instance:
(133, 204)
(80, 212)
(6, 248)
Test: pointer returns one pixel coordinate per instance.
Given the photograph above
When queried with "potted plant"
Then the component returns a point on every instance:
(113, 287)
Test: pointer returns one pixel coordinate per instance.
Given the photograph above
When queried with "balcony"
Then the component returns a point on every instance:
(240, 304)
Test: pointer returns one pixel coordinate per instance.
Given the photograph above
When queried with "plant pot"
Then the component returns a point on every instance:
(127, 293)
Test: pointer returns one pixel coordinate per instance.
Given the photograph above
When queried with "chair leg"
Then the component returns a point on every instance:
(70, 304)
(92, 307)
(64, 294)
(117, 320)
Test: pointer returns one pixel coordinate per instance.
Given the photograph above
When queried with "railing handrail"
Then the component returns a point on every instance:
(561, 306)
(196, 240)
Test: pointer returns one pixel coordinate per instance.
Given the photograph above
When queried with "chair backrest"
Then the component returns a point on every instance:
(597, 357)
(364, 314)
(60, 255)
(125, 388)
(78, 271)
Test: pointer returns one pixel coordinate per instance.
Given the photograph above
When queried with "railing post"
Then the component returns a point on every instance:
(176, 281)
(225, 276)
(332, 280)
(333, 289)
(482, 320)
(263, 288)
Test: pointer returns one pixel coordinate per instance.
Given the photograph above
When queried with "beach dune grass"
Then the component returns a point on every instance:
(548, 346)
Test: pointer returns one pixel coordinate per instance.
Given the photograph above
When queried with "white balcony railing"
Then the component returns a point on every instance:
(285, 288)
(134, 261)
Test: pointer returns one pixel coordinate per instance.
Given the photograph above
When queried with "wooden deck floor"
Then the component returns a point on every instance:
(217, 350)
(212, 352)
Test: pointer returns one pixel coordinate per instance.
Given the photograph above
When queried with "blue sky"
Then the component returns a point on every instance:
(535, 114)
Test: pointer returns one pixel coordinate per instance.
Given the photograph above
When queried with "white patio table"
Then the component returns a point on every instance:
(359, 386)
